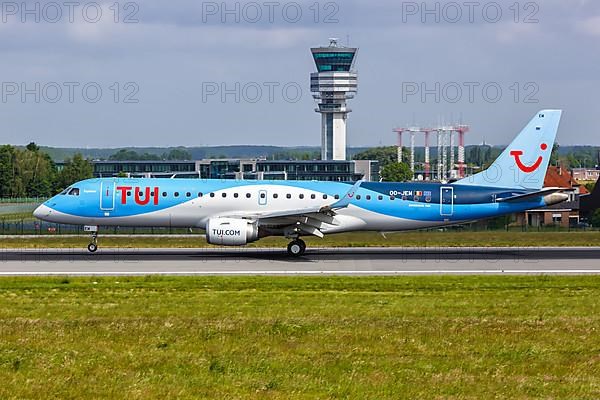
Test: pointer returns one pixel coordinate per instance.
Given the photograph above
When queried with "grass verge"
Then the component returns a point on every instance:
(358, 239)
(300, 337)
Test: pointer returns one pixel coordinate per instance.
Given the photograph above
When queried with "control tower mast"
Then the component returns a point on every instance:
(334, 82)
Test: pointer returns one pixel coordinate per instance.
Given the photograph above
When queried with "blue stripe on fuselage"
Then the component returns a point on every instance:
(469, 202)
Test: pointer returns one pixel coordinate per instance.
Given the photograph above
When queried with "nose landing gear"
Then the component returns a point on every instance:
(296, 248)
(93, 246)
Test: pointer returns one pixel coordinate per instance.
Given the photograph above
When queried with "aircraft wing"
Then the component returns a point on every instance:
(327, 209)
(527, 196)
(307, 220)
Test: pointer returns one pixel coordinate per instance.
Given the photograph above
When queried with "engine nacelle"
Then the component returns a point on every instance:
(231, 231)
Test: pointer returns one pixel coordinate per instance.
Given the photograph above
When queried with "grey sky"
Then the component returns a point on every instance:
(180, 47)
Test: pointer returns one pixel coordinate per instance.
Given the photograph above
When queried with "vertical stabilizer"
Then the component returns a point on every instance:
(524, 163)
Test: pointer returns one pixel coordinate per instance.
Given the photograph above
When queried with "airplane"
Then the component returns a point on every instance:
(238, 212)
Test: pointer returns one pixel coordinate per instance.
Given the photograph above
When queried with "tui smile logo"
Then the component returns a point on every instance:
(528, 168)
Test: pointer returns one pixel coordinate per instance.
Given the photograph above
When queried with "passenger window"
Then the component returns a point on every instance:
(248, 195)
(223, 195)
(313, 196)
(200, 194)
(176, 194)
(164, 194)
(188, 194)
(129, 194)
(301, 196)
(368, 197)
(263, 195)
(289, 196)
(275, 195)
(337, 196)
(380, 197)
(236, 195)
(212, 195)
(392, 197)
(324, 197)
(358, 197)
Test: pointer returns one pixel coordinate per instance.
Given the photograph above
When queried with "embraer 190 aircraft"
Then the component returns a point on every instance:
(235, 213)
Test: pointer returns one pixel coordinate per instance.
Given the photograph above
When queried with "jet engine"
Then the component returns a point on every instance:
(231, 231)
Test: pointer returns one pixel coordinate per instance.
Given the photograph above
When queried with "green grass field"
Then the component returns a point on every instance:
(300, 338)
(358, 239)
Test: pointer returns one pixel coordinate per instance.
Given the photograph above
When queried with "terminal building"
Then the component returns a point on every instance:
(250, 169)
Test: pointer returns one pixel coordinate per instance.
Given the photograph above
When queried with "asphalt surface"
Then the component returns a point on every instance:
(332, 261)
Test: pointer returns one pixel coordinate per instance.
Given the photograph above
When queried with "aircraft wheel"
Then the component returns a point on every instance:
(303, 245)
(296, 248)
(92, 247)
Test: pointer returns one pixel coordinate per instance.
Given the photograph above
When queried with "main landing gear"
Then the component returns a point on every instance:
(296, 248)
(93, 246)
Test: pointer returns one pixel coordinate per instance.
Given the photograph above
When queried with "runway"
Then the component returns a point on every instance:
(325, 261)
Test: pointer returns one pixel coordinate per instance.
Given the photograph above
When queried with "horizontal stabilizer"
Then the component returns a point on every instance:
(529, 196)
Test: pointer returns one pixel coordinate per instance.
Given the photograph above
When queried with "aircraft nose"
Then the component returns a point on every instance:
(42, 212)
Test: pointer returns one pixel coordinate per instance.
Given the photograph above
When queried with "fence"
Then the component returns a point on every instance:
(21, 200)
(23, 226)
(31, 226)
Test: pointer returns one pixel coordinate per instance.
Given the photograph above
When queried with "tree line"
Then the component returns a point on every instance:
(132, 155)
(30, 172)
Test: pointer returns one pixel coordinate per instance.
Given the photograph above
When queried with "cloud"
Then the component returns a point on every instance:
(175, 47)
(590, 26)
(508, 33)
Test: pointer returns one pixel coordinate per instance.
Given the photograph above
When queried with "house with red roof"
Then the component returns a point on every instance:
(565, 214)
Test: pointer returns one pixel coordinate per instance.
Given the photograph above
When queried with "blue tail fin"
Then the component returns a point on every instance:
(524, 163)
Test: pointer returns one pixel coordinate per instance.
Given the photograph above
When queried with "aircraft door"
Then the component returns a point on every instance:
(446, 201)
(107, 195)
(262, 197)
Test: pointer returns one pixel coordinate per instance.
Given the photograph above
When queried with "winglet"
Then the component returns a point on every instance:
(345, 201)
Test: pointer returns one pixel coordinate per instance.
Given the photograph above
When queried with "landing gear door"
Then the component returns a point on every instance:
(446, 201)
(107, 195)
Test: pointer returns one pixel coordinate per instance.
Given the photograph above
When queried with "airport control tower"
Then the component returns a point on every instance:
(334, 82)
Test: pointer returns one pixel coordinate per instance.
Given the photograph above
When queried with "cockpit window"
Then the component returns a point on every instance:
(73, 192)
(64, 191)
